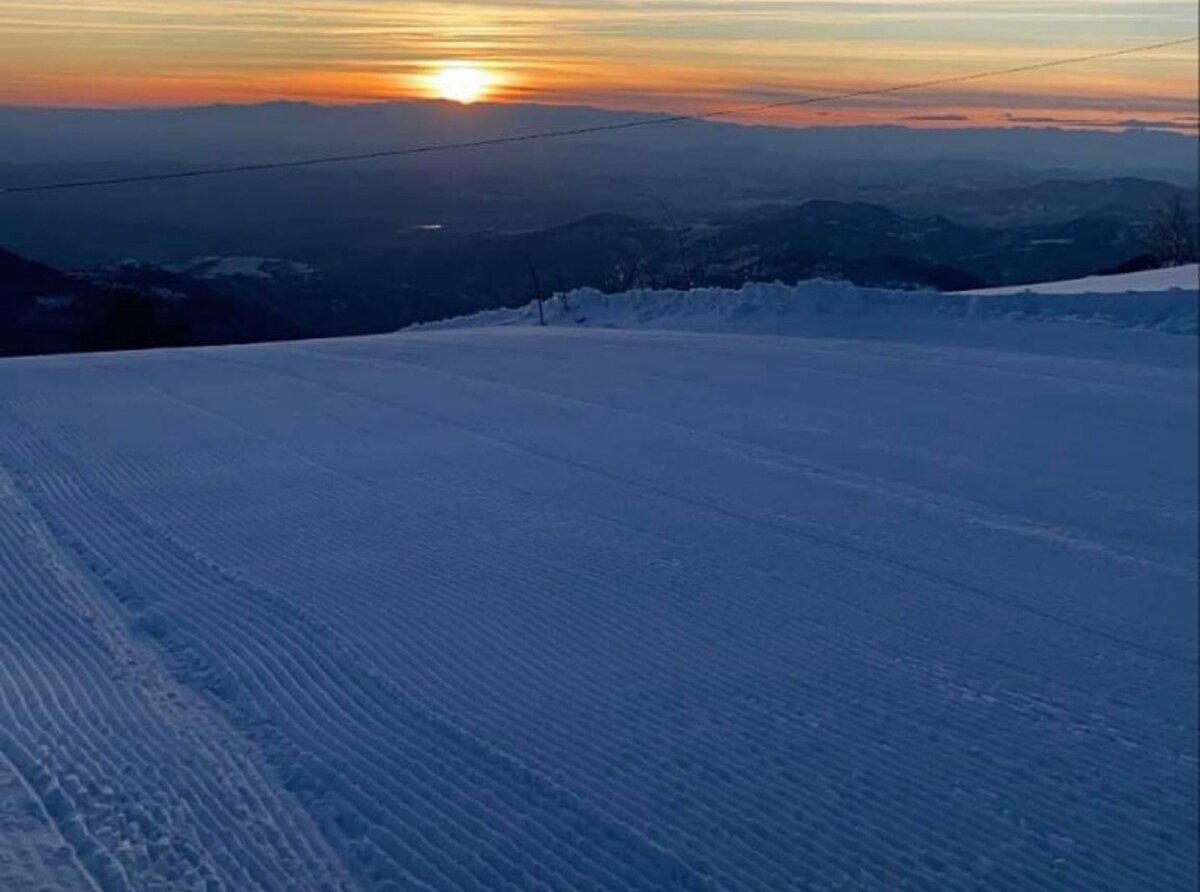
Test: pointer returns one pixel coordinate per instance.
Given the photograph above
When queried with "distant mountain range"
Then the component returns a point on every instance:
(258, 131)
(371, 247)
(432, 273)
(693, 171)
(43, 310)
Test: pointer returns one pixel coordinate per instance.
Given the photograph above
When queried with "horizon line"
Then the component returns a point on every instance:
(914, 122)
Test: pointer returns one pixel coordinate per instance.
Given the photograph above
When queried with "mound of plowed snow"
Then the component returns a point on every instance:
(838, 308)
(1142, 327)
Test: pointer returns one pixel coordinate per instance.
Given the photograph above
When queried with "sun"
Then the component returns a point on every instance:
(462, 83)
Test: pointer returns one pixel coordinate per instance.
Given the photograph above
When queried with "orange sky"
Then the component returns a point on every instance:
(676, 55)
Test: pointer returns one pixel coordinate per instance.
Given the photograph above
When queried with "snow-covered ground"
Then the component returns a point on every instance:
(578, 607)
(1186, 278)
(839, 309)
(243, 267)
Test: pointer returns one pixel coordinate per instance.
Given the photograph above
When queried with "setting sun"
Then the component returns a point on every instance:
(462, 83)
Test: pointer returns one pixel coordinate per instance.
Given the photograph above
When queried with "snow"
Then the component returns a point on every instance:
(741, 607)
(1186, 278)
(243, 267)
(841, 310)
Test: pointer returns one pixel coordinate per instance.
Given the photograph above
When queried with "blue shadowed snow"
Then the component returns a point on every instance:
(591, 607)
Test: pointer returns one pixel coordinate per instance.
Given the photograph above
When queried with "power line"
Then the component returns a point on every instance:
(599, 128)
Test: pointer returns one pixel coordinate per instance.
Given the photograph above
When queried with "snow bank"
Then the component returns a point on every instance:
(839, 309)
(1185, 278)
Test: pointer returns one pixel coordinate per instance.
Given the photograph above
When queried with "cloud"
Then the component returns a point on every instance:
(667, 55)
(935, 118)
(1108, 123)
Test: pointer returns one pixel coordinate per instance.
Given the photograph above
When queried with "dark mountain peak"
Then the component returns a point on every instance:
(27, 278)
(1126, 190)
(844, 211)
(606, 221)
(124, 306)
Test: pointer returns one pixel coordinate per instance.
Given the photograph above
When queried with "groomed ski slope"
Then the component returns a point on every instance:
(508, 607)
(1185, 278)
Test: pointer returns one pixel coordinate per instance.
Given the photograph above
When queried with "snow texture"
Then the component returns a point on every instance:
(839, 309)
(570, 608)
(1186, 278)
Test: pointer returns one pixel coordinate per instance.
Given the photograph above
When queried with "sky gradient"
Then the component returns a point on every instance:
(669, 55)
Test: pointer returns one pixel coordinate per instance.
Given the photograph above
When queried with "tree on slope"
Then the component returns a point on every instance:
(1173, 236)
